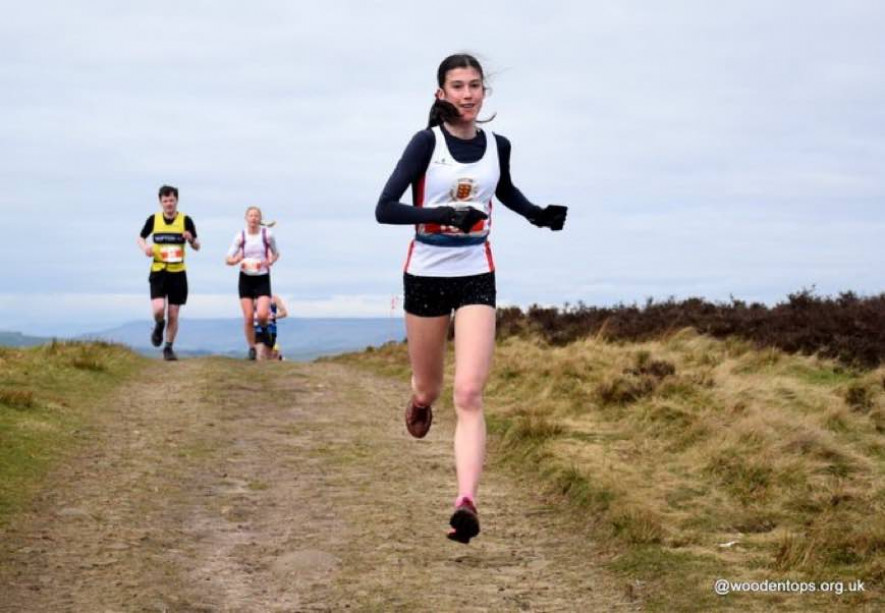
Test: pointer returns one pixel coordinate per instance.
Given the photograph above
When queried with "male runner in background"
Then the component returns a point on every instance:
(171, 229)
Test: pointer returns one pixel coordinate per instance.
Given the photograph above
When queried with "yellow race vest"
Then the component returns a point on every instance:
(168, 243)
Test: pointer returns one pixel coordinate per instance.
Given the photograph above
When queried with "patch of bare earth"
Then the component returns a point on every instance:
(217, 485)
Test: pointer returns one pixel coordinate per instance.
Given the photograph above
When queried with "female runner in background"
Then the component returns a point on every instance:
(255, 250)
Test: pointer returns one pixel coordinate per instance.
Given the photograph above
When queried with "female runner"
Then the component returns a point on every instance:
(255, 250)
(454, 169)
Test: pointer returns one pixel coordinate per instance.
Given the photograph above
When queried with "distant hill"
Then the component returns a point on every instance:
(17, 339)
(300, 339)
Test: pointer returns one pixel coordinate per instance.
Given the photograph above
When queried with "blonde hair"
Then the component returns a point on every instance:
(269, 224)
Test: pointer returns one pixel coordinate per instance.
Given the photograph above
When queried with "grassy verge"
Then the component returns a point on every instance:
(694, 459)
(46, 396)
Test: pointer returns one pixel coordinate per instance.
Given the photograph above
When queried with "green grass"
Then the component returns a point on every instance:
(822, 376)
(681, 581)
(46, 395)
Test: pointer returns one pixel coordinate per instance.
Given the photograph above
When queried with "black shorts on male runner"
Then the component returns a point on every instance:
(438, 296)
(169, 285)
(253, 286)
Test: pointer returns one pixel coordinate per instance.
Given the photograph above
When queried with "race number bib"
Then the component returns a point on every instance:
(172, 254)
(250, 265)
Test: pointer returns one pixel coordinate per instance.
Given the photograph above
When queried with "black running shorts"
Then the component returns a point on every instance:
(169, 285)
(253, 286)
(437, 296)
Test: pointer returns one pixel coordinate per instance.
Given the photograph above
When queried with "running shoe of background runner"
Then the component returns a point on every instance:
(157, 334)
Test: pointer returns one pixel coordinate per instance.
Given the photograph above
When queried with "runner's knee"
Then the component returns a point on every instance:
(468, 396)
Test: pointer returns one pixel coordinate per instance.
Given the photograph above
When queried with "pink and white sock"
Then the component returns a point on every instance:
(462, 499)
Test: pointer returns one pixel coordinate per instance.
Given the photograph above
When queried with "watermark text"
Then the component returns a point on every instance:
(724, 586)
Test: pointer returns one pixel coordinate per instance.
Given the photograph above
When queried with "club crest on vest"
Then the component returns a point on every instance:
(464, 189)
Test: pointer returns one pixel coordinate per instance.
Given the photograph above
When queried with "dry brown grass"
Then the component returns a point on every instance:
(727, 461)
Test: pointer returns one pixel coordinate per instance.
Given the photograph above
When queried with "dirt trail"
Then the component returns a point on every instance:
(217, 485)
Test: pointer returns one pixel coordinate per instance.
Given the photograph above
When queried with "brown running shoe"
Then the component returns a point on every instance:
(418, 419)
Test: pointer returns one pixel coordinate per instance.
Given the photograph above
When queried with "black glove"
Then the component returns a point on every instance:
(464, 218)
(551, 216)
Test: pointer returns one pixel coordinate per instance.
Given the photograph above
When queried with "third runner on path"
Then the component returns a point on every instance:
(454, 169)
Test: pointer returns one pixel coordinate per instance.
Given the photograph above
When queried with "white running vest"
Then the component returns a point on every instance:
(443, 251)
(256, 248)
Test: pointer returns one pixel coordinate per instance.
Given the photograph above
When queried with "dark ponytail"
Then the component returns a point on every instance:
(443, 110)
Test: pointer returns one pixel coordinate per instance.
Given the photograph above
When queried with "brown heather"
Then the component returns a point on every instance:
(848, 328)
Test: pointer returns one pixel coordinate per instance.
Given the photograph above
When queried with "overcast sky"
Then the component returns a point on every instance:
(710, 149)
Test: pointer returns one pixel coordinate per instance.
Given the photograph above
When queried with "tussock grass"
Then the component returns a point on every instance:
(17, 399)
(681, 446)
(860, 396)
(46, 393)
